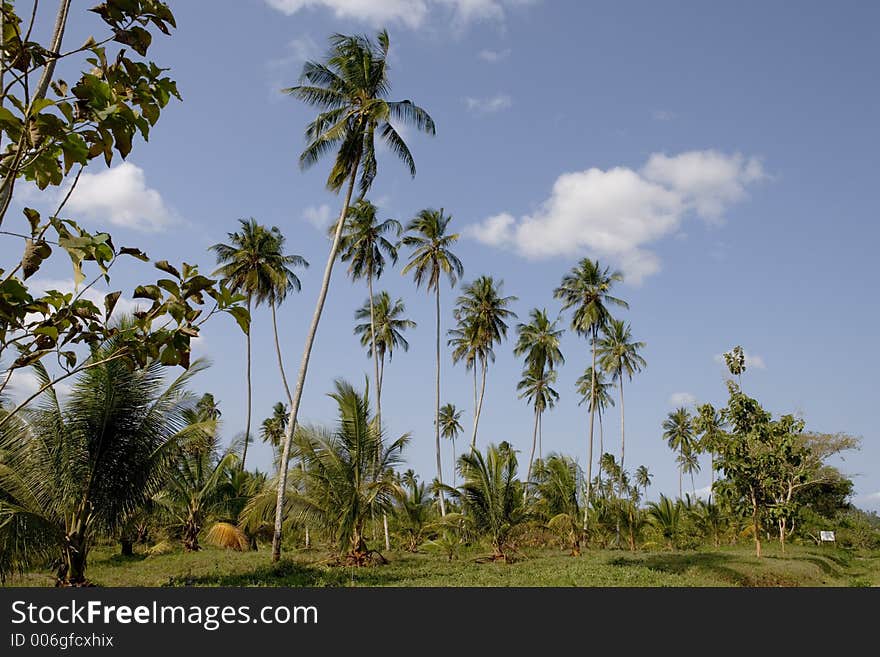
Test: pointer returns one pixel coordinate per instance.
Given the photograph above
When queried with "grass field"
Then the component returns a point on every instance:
(724, 567)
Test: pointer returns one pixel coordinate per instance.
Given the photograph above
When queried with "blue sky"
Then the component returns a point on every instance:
(724, 156)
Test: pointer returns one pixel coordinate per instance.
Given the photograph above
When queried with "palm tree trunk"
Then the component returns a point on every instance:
(454, 482)
(304, 366)
(679, 477)
(601, 444)
(278, 353)
(622, 430)
(532, 455)
(437, 404)
(712, 474)
(373, 348)
(590, 450)
(541, 436)
(484, 365)
(247, 428)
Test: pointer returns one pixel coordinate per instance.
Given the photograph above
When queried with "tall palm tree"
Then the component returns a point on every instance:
(678, 431)
(481, 311)
(536, 387)
(689, 462)
(619, 356)
(364, 246)
(69, 470)
(711, 426)
(643, 478)
(431, 258)
(387, 325)
(538, 340)
(450, 428)
(351, 89)
(272, 429)
(598, 396)
(587, 290)
(254, 264)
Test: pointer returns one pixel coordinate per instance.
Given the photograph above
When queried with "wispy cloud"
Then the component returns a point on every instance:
(617, 213)
(285, 70)
(494, 56)
(682, 399)
(663, 115)
(319, 216)
(489, 105)
(408, 13)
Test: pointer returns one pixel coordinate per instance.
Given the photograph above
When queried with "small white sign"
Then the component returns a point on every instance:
(826, 536)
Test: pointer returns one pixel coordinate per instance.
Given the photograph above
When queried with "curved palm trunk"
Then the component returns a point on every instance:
(541, 436)
(454, 482)
(681, 453)
(278, 353)
(484, 366)
(532, 455)
(622, 430)
(601, 444)
(304, 365)
(377, 380)
(247, 428)
(437, 404)
(590, 450)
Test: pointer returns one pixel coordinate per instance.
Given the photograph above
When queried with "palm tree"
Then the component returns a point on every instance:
(413, 509)
(665, 515)
(387, 325)
(69, 470)
(678, 431)
(254, 264)
(480, 311)
(538, 341)
(351, 89)
(364, 246)
(199, 484)
(272, 429)
(432, 257)
(345, 482)
(619, 355)
(587, 290)
(711, 425)
(536, 387)
(689, 462)
(450, 428)
(598, 396)
(556, 484)
(643, 478)
(491, 495)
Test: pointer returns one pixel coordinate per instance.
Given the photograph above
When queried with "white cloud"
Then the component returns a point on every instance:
(23, 383)
(663, 115)
(753, 361)
(319, 216)
(493, 56)
(489, 105)
(708, 181)
(682, 399)
(120, 195)
(407, 12)
(617, 213)
(410, 13)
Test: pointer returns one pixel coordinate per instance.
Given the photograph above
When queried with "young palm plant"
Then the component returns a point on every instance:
(413, 510)
(491, 495)
(665, 516)
(586, 289)
(351, 89)
(348, 474)
(431, 258)
(71, 470)
(556, 484)
(254, 264)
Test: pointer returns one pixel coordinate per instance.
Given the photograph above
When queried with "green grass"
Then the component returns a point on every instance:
(725, 567)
